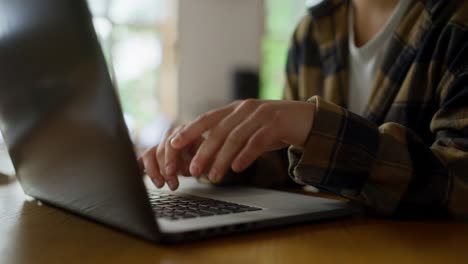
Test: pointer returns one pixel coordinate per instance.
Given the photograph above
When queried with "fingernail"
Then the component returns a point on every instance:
(214, 175)
(175, 140)
(194, 169)
(172, 184)
(238, 165)
(157, 182)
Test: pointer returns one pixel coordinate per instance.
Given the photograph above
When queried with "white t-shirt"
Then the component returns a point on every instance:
(365, 61)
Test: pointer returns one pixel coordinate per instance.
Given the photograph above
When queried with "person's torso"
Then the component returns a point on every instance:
(406, 88)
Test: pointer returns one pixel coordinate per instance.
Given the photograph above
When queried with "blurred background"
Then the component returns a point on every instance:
(172, 60)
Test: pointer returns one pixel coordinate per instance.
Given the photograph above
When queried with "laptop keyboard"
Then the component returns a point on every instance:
(176, 207)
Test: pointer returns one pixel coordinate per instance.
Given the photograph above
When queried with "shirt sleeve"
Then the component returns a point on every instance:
(388, 167)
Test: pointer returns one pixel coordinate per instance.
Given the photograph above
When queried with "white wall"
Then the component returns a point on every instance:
(215, 37)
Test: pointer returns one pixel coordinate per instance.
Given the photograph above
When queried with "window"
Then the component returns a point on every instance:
(280, 19)
(138, 40)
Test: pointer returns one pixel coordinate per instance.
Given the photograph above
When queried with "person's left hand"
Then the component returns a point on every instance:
(240, 132)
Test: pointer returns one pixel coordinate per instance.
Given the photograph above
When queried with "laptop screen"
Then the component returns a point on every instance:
(61, 118)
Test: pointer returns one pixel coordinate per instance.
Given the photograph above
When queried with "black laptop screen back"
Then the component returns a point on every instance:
(60, 116)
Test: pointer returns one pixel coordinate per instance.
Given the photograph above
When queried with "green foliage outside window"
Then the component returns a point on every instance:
(281, 18)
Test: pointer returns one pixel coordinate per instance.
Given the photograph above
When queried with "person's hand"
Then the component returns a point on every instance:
(160, 171)
(238, 134)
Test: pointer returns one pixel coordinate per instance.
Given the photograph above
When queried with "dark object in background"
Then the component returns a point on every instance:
(245, 84)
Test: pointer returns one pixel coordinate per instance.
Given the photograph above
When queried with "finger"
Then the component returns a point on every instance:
(186, 156)
(184, 169)
(193, 148)
(233, 144)
(263, 140)
(208, 150)
(205, 154)
(199, 126)
(161, 152)
(152, 168)
(159, 155)
(184, 162)
(171, 157)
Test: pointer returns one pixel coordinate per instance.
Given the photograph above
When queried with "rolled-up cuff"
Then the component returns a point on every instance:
(338, 152)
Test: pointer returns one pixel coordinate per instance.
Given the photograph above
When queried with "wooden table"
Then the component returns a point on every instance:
(32, 233)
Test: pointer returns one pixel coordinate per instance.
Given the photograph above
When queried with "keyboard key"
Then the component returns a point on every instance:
(176, 207)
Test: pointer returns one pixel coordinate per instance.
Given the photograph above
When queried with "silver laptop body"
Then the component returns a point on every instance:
(64, 129)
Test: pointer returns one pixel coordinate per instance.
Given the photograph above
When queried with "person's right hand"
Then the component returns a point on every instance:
(237, 135)
(154, 160)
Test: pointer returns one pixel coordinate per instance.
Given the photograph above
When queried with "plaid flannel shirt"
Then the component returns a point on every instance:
(408, 154)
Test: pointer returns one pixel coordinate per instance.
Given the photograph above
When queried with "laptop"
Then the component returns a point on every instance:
(63, 126)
